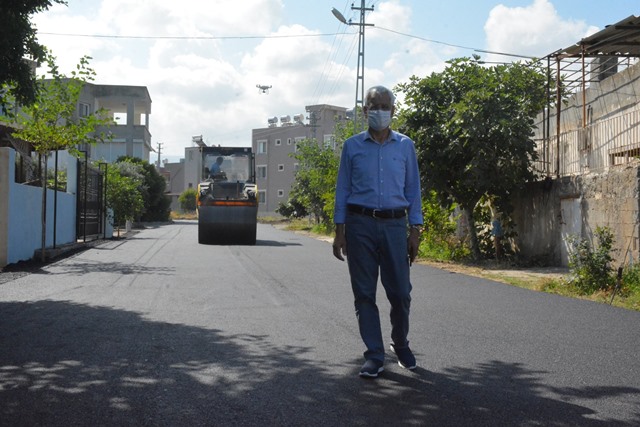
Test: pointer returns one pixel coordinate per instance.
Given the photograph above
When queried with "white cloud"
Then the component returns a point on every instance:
(391, 15)
(534, 30)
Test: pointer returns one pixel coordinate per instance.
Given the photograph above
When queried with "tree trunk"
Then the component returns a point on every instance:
(473, 237)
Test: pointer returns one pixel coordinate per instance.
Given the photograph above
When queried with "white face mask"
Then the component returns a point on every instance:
(379, 119)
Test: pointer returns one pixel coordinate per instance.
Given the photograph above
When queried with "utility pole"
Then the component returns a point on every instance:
(159, 151)
(360, 77)
(360, 73)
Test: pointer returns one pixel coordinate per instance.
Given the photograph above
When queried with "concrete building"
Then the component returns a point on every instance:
(130, 107)
(274, 145)
(588, 150)
(174, 174)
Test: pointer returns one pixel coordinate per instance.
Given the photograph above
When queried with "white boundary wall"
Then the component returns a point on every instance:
(21, 210)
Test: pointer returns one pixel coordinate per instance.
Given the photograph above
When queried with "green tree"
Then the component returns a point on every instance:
(473, 128)
(18, 41)
(188, 199)
(153, 186)
(50, 123)
(315, 181)
(123, 196)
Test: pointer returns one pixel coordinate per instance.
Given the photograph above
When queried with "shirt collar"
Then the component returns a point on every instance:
(392, 136)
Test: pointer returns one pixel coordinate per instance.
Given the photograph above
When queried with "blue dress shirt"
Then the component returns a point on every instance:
(379, 176)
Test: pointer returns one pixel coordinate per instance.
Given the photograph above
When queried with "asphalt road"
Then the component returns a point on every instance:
(157, 330)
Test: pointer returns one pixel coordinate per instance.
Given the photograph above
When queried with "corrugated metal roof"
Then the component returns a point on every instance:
(620, 39)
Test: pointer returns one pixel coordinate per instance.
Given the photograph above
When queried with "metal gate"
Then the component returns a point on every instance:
(91, 202)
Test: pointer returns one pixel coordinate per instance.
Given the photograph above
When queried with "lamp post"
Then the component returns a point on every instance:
(360, 71)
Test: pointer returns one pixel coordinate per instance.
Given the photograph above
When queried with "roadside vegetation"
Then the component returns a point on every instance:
(136, 192)
(588, 277)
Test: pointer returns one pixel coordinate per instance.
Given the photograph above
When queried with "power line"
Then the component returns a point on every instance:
(111, 36)
(475, 49)
(326, 71)
(277, 36)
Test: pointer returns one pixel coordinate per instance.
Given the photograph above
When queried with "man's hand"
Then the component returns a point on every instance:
(413, 242)
(340, 243)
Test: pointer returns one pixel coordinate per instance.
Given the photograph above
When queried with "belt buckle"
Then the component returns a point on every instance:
(374, 213)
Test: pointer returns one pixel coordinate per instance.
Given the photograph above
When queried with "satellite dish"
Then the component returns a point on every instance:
(263, 88)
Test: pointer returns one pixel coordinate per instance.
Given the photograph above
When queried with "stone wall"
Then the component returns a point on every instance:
(544, 215)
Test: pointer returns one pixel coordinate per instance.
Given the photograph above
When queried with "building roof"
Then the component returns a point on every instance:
(620, 39)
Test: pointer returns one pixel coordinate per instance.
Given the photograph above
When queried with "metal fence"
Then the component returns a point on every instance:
(595, 148)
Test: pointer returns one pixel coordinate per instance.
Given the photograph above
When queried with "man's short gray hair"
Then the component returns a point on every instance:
(380, 90)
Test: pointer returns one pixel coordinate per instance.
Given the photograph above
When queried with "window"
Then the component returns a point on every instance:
(298, 140)
(280, 168)
(296, 167)
(329, 141)
(262, 196)
(288, 141)
(84, 109)
(261, 171)
(262, 146)
(278, 141)
(280, 193)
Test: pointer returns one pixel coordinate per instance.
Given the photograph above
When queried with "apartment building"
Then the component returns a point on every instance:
(275, 144)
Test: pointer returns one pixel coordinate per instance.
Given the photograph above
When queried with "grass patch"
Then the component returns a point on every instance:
(183, 215)
(628, 299)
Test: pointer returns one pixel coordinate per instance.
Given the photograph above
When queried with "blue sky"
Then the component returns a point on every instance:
(201, 60)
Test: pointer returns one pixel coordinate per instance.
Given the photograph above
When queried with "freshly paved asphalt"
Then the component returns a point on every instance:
(157, 330)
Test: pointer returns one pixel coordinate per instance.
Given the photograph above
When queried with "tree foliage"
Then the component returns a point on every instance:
(315, 181)
(18, 41)
(123, 195)
(188, 200)
(51, 123)
(313, 191)
(153, 188)
(473, 128)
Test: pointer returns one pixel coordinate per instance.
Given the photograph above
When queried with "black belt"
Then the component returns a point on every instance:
(377, 213)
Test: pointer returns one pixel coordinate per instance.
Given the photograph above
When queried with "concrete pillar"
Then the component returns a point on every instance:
(7, 173)
(130, 123)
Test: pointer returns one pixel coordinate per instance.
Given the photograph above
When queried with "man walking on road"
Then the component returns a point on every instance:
(377, 195)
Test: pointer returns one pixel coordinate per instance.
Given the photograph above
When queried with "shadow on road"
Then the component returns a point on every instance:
(66, 364)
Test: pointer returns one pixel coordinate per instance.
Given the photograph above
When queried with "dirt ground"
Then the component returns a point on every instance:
(506, 274)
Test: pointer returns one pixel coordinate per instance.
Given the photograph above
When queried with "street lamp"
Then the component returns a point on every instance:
(340, 16)
(360, 71)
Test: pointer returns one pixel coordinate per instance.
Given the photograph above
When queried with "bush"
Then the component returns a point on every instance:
(631, 279)
(188, 200)
(293, 208)
(591, 267)
(439, 241)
